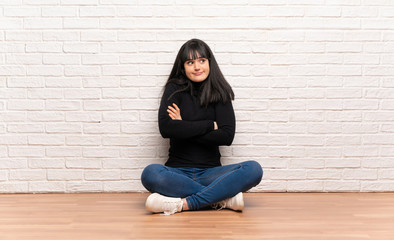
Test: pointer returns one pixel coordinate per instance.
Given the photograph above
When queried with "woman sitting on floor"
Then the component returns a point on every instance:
(197, 115)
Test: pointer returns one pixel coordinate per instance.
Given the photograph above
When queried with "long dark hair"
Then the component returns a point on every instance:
(214, 88)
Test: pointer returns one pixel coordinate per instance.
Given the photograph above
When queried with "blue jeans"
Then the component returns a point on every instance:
(202, 186)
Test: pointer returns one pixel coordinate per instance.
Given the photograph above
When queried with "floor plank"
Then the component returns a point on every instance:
(114, 216)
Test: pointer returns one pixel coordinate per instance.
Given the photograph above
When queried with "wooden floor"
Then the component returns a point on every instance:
(304, 216)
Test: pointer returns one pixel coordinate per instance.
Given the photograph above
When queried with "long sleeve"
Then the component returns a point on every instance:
(179, 129)
(224, 135)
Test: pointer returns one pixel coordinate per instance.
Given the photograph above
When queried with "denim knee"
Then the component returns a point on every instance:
(150, 174)
(255, 170)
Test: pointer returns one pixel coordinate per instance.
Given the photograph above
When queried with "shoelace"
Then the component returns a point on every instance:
(219, 205)
(170, 207)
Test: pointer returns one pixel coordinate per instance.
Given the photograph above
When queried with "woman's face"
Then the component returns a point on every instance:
(197, 70)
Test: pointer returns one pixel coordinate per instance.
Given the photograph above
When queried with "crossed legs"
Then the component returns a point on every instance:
(201, 187)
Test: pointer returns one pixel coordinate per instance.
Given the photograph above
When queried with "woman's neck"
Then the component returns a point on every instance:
(197, 85)
(196, 88)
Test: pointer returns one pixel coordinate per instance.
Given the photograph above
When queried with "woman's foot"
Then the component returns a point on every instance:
(235, 203)
(157, 203)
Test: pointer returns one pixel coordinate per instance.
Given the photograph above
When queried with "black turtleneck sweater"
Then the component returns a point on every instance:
(193, 140)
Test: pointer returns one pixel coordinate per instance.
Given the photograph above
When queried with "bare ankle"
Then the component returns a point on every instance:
(185, 206)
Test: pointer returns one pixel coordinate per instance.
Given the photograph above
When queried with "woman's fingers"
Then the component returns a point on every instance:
(171, 114)
(176, 107)
(174, 112)
(172, 109)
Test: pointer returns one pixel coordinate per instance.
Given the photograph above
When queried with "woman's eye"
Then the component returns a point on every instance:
(202, 60)
(189, 63)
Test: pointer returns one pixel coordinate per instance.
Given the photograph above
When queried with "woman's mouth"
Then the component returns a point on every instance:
(197, 73)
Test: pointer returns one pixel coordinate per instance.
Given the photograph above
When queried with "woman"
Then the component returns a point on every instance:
(197, 115)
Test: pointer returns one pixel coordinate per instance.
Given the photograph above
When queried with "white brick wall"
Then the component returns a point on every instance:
(80, 83)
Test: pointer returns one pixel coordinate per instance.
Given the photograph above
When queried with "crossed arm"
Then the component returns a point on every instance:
(210, 132)
(222, 134)
(175, 114)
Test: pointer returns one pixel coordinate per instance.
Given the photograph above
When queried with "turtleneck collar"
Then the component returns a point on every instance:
(197, 85)
(197, 88)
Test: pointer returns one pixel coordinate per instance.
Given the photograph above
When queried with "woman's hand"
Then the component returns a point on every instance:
(215, 126)
(174, 112)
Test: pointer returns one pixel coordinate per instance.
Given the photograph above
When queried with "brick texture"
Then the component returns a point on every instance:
(80, 83)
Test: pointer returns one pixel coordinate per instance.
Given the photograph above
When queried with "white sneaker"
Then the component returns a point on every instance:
(235, 203)
(157, 203)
